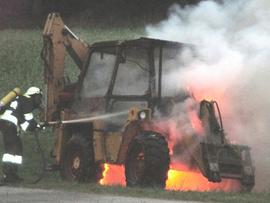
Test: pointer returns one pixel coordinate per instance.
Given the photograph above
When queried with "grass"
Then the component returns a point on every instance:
(20, 62)
(20, 65)
(19, 58)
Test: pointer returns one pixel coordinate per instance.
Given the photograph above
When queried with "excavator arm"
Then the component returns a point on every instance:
(58, 40)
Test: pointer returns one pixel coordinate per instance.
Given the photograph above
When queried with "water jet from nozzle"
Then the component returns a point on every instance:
(90, 118)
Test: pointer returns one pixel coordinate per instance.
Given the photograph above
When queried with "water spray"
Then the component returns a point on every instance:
(88, 119)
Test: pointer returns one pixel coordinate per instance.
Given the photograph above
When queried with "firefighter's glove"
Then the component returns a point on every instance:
(42, 125)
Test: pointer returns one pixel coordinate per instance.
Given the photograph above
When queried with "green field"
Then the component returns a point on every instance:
(20, 61)
(20, 65)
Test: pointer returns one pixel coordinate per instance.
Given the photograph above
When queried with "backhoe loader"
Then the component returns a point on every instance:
(109, 114)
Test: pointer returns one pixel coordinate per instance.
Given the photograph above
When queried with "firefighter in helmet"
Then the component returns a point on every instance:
(16, 116)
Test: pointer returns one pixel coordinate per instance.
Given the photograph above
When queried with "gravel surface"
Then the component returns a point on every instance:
(25, 195)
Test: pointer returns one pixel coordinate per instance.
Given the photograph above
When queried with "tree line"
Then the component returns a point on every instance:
(37, 10)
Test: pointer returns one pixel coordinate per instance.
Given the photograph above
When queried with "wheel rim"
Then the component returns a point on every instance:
(139, 165)
(75, 164)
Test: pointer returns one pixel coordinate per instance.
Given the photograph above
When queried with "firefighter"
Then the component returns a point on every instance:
(17, 116)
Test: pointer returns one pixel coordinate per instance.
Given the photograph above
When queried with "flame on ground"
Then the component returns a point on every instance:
(177, 180)
(195, 181)
(113, 175)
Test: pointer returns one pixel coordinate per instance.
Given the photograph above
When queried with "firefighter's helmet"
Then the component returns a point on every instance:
(32, 91)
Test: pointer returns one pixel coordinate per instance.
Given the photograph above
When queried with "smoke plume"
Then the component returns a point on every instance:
(231, 66)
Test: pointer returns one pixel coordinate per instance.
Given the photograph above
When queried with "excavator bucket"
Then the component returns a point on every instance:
(217, 158)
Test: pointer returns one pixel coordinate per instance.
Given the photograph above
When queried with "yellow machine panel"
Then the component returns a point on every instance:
(98, 142)
(112, 145)
(106, 144)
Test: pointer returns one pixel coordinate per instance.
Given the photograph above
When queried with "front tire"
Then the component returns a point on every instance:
(148, 160)
(78, 162)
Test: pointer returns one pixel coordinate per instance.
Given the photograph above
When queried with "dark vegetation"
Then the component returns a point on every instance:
(32, 13)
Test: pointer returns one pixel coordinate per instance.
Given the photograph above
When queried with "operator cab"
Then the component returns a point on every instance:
(119, 75)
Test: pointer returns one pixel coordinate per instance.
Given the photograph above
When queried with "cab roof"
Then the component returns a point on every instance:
(141, 42)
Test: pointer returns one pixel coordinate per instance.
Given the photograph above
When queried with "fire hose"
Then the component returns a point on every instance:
(43, 159)
(61, 122)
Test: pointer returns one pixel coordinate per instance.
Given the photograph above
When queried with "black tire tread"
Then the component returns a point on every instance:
(156, 162)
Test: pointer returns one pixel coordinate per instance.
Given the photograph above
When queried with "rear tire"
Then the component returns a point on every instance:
(78, 162)
(148, 160)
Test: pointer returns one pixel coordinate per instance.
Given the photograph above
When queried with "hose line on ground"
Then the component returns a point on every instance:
(43, 159)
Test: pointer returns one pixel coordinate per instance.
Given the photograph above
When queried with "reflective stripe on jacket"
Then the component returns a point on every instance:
(7, 115)
(10, 158)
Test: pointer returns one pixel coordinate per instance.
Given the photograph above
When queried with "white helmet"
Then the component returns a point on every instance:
(31, 91)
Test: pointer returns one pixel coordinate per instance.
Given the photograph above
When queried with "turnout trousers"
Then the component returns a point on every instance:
(12, 155)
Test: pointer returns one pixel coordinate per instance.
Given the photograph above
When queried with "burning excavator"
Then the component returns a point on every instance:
(120, 112)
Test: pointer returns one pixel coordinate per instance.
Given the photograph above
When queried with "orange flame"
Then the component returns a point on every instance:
(177, 180)
(180, 177)
(104, 174)
(113, 175)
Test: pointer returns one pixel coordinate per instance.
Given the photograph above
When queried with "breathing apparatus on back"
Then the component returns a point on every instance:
(9, 97)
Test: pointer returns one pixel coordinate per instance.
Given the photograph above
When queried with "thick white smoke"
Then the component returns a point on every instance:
(232, 67)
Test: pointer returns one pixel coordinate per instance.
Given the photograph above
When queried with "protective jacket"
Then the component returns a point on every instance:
(17, 115)
(19, 112)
